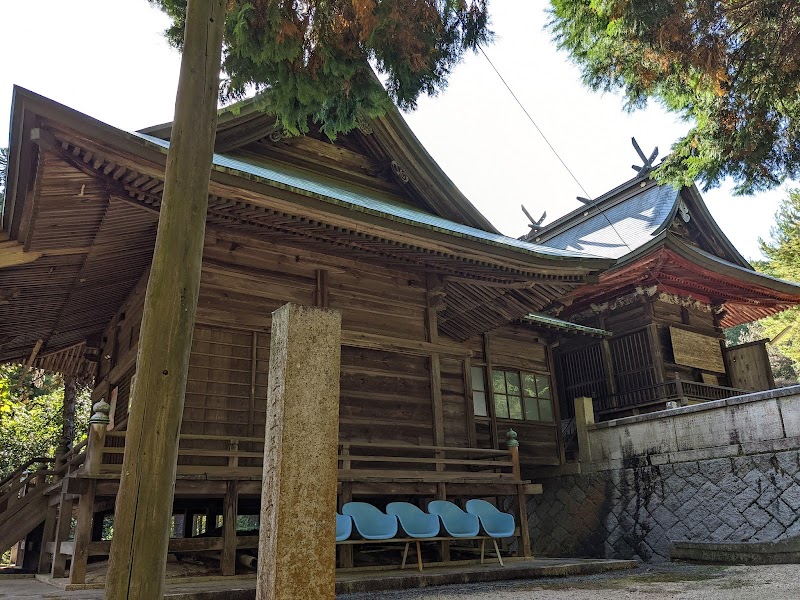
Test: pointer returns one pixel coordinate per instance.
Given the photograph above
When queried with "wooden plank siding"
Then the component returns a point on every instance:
(386, 393)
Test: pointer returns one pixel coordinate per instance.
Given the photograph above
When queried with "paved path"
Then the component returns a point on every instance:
(673, 582)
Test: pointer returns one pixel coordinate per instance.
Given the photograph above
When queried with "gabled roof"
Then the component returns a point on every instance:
(387, 139)
(370, 202)
(667, 237)
(83, 203)
(631, 215)
(618, 228)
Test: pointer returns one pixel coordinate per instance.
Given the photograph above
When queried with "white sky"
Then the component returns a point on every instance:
(110, 60)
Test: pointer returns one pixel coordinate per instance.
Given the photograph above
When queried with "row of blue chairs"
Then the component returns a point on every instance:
(369, 523)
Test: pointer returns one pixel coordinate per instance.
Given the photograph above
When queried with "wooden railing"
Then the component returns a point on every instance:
(198, 454)
(673, 390)
(401, 462)
(34, 473)
(358, 461)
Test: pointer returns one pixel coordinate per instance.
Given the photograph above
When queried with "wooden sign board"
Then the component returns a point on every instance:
(696, 350)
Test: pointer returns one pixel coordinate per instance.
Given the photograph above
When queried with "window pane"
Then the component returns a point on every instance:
(515, 407)
(529, 384)
(501, 406)
(498, 382)
(531, 409)
(512, 383)
(543, 385)
(546, 410)
(479, 404)
(478, 382)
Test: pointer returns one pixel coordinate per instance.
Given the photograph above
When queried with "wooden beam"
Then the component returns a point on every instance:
(401, 345)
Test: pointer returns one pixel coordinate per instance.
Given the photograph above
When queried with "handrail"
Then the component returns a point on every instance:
(21, 469)
(672, 389)
(355, 458)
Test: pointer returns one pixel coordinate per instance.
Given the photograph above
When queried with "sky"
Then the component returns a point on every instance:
(111, 61)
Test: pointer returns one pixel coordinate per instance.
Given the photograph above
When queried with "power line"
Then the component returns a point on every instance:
(530, 118)
(561, 160)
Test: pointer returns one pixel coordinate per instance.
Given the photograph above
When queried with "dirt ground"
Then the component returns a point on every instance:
(671, 581)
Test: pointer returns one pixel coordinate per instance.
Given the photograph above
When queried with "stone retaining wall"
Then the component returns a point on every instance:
(632, 505)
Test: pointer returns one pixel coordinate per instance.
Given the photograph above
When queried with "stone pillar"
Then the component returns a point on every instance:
(297, 548)
(584, 416)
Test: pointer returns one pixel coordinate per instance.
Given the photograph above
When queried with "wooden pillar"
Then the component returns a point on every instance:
(138, 553)
(469, 404)
(48, 537)
(584, 416)
(346, 495)
(433, 303)
(83, 534)
(68, 419)
(522, 507)
(228, 561)
(487, 356)
(62, 533)
(94, 458)
(297, 552)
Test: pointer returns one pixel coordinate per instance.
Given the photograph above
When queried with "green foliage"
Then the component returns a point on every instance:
(309, 59)
(783, 254)
(31, 412)
(732, 67)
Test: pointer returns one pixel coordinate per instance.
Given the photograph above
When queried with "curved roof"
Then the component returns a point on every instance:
(619, 229)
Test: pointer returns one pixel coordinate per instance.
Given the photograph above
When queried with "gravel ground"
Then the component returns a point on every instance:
(673, 581)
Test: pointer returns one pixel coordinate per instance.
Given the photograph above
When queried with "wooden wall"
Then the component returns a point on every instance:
(386, 377)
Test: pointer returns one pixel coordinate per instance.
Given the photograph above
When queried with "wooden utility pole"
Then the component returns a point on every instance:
(144, 501)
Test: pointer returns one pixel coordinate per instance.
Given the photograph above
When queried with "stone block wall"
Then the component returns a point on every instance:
(639, 511)
(636, 501)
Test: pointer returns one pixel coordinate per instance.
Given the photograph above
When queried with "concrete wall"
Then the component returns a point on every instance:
(722, 471)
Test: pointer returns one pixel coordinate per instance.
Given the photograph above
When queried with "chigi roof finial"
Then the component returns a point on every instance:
(648, 161)
(534, 224)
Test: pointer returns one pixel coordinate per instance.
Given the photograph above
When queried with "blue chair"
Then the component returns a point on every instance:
(455, 521)
(369, 522)
(495, 524)
(415, 524)
(344, 527)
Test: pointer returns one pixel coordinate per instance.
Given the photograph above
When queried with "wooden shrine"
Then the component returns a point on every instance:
(439, 358)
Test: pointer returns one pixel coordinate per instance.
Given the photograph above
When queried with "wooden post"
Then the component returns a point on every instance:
(94, 458)
(83, 534)
(679, 391)
(522, 506)
(345, 496)
(48, 536)
(68, 420)
(296, 549)
(469, 404)
(487, 356)
(62, 533)
(584, 416)
(433, 303)
(228, 561)
(138, 553)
